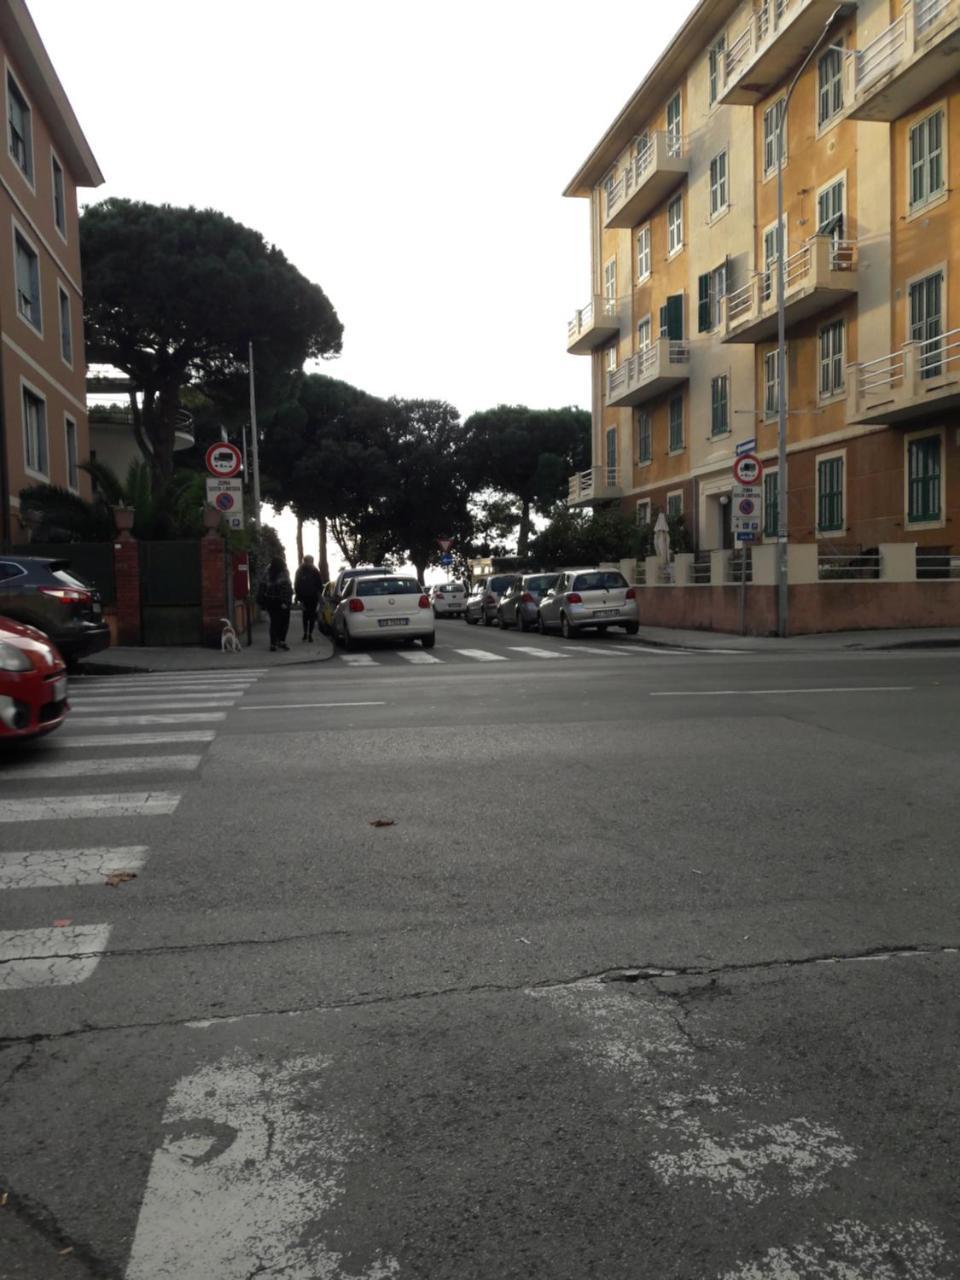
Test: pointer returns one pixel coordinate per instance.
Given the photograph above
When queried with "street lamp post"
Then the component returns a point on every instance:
(783, 593)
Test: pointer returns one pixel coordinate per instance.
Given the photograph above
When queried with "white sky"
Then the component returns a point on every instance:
(406, 155)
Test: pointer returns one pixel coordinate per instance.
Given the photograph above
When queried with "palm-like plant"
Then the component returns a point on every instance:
(171, 509)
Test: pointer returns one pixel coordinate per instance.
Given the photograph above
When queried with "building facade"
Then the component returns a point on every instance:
(44, 434)
(682, 328)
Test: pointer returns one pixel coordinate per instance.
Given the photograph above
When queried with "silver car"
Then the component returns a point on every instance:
(519, 607)
(584, 598)
(484, 598)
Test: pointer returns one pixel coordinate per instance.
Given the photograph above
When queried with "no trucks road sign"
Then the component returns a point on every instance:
(747, 469)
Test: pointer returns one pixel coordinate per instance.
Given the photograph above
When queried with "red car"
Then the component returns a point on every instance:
(33, 683)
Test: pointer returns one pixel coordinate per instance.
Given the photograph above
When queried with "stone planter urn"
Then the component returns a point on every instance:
(123, 518)
(211, 519)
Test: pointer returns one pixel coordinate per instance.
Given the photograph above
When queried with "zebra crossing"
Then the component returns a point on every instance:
(154, 719)
(517, 652)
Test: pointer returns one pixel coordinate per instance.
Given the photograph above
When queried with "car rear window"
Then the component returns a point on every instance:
(543, 583)
(599, 581)
(501, 582)
(8, 570)
(70, 579)
(388, 587)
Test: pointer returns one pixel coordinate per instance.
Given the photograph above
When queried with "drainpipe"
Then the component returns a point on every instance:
(5, 532)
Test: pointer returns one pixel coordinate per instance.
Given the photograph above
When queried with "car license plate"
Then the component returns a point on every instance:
(97, 608)
(605, 613)
(59, 690)
(392, 622)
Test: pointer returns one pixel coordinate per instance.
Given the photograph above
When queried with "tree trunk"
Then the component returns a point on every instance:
(523, 539)
(160, 422)
(299, 540)
(421, 571)
(324, 566)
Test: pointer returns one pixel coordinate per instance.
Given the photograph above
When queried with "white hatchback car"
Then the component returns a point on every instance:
(449, 600)
(391, 607)
(584, 598)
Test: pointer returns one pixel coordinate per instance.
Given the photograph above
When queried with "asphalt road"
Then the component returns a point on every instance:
(651, 973)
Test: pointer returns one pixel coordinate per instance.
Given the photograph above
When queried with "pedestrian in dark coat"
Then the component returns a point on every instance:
(276, 596)
(307, 586)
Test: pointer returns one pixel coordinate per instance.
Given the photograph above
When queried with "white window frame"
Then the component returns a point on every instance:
(921, 434)
(610, 357)
(645, 323)
(715, 54)
(70, 421)
(770, 170)
(837, 387)
(29, 178)
(768, 268)
(675, 226)
(770, 415)
(942, 192)
(719, 187)
(674, 135)
(646, 506)
(55, 164)
(718, 435)
(834, 90)
(828, 457)
(673, 450)
(769, 470)
(610, 279)
(674, 493)
(17, 230)
(936, 269)
(644, 257)
(63, 293)
(35, 391)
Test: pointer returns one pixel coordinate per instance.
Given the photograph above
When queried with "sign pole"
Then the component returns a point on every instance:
(254, 440)
(743, 588)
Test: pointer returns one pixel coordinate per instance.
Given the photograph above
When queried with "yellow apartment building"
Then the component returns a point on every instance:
(43, 420)
(682, 325)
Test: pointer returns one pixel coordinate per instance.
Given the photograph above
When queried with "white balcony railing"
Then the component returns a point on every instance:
(763, 26)
(897, 45)
(594, 483)
(599, 311)
(661, 151)
(802, 270)
(936, 357)
(645, 365)
(922, 377)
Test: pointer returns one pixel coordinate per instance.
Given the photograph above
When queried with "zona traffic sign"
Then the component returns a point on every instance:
(747, 469)
(224, 460)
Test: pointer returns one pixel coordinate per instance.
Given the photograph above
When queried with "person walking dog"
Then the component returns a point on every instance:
(307, 586)
(276, 596)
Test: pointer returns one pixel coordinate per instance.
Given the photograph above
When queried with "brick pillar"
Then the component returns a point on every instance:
(126, 571)
(213, 587)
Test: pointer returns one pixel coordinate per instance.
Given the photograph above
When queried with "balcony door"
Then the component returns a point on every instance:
(830, 213)
(926, 323)
(611, 476)
(674, 126)
(771, 249)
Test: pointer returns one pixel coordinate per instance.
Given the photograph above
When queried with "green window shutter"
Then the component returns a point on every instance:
(675, 317)
(830, 505)
(771, 507)
(703, 304)
(923, 479)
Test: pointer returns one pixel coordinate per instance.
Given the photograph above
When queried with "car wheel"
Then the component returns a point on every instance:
(601, 631)
(502, 621)
(632, 628)
(471, 622)
(568, 632)
(428, 641)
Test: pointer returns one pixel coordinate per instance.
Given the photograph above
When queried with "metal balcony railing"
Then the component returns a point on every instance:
(598, 311)
(663, 144)
(899, 40)
(934, 358)
(762, 27)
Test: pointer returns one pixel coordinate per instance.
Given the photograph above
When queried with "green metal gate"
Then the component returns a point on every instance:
(170, 593)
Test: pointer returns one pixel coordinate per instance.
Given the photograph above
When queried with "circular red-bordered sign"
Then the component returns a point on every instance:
(746, 506)
(224, 461)
(747, 469)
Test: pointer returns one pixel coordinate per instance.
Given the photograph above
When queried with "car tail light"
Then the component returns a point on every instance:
(573, 597)
(355, 605)
(527, 598)
(631, 593)
(439, 595)
(424, 602)
(488, 599)
(67, 593)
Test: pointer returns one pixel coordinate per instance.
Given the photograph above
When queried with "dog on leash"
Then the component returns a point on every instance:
(228, 638)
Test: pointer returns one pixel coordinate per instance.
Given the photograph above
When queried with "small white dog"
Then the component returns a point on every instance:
(228, 638)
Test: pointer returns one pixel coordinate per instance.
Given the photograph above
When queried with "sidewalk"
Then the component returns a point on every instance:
(907, 638)
(122, 658)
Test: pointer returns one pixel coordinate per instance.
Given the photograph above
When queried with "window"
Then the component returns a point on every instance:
(671, 318)
(611, 455)
(771, 384)
(610, 280)
(830, 494)
(28, 282)
(674, 126)
(923, 479)
(676, 423)
(771, 251)
(830, 86)
(926, 160)
(644, 436)
(712, 287)
(643, 511)
(59, 198)
(641, 151)
(714, 63)
(644, 333)
(66, 330)
(643, 252)
(926, 323)
(771, 130)
(73, 468)
(35, 452)
(718, 184)
(610, 357)
(675, 224)
(720, 405)
(830, 203)
(674, 504)
(19, 129)
(771, 504)
(831, 359)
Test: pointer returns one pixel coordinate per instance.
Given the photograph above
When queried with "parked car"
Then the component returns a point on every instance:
(584, 598)
(520, 605)
(39, 592)
(482, 602)
(449, 600)
(33, 683)
(345, 576)
(391, 607)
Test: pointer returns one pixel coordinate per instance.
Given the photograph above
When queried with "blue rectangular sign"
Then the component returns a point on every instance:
(746, 446)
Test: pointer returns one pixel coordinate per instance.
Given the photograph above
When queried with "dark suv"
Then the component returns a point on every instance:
(42, 594)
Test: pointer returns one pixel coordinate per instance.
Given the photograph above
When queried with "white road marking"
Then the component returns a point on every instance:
(481, 655)
(59, 868)
(147, 700)
(357, 659)
(98, 765)
(304, 706)
(131, 804)
(590, 652)
(740, 693)
(50, 957)
(127, 682)
(135, 739)
(130, 721)
(253, 1160)
(531, 652)
(149, 704)
(417, 656)
(174, 691)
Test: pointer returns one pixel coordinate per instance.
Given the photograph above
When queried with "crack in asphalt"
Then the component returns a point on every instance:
(628, 975)
(38, 1219)
(120, 952)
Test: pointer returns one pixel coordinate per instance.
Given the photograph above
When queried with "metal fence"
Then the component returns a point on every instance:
(170, 592)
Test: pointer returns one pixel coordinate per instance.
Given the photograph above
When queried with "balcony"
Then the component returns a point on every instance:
(596, 484)
(919, 380)
(659, 368)
(818, 276)
(771, 45)
(118, 420)
(906, 63)
(595, 324)
(647, 181)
